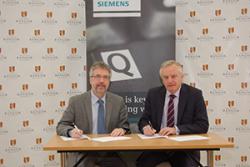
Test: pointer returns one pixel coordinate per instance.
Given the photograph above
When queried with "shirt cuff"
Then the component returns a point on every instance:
(177, 130)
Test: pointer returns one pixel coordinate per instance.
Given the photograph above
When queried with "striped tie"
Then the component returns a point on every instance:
(170, 116)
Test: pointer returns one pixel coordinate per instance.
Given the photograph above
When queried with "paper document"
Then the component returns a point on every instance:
(188, 138)
(70, 138)
(110, 138)
(151, 137)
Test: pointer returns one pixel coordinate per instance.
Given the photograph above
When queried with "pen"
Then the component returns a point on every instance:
(76, 127)
(82, 136)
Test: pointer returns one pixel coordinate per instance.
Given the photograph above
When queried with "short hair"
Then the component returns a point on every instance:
(99, 64)
(170, 63)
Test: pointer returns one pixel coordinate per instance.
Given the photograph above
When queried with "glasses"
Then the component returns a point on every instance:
(99, 77)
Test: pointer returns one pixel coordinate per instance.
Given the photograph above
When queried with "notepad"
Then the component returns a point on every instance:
(110, 138)
(71, 138)
(151, 137)
(188, 138)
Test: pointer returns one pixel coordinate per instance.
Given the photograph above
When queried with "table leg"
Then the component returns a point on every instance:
(210, 158)
(62, 156)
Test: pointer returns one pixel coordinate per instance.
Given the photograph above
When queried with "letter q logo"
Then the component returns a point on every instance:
(122, 64)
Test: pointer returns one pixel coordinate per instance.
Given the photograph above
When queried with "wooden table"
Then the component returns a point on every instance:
(215, 142)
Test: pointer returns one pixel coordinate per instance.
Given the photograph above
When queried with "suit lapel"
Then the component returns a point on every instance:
(182, 102)
(88, 105)
(108, 111)
(161, 101)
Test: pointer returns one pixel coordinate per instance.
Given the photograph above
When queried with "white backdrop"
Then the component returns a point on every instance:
(42, 64)
(212, 42)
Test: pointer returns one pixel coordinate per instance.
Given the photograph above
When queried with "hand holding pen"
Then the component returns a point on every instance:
(76, 133)
(149, 130)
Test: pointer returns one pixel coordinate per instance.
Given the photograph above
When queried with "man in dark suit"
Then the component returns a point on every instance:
(189, 116)
(82, 116)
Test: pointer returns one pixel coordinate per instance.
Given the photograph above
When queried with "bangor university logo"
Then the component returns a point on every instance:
(243, 122)
(12, 142)
(205, 31)
(73, 15)
(83, 33)
(38, 140)
(12, 106)
(37, 68)
(74, 85)
(192, 13)
(231, 103)
(217, 49)
(192, 49)
(51, 157)
(205, 67)
(38, 104)
(25, 123)
(49, 14)
(179, 32)
(51, 122)
(244, 11)
(1, 87)
(12, 69)
(230, 67)
(217, 157)
(24, 50)
(1, 161)
(62, 68)
(243, 48)
(50, 86)
(243, 85)
(62, 103)
(62, 33)
(26, 160)
(24, 13)
(25, 87)
(206, 103)
(37, 32)
(73, 50)
(192, 84)
(217, 85)
(230, 30)
(11, 32)
(231, 139)
(49, 50)
(217, 121)
(243, 158)
(218, 12)
(1, 124)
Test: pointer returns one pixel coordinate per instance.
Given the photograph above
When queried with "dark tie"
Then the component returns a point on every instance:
(170, 121)
(101, 121)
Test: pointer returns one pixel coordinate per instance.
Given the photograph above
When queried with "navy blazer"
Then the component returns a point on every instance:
(192, 113)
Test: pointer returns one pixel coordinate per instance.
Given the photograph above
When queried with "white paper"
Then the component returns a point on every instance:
(188, 138)
(71, 138)
(110, 138)
(151, 137)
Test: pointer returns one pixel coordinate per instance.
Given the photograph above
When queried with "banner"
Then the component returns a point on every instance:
(134, 47)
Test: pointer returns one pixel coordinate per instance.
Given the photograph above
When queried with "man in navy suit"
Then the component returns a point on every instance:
(189, 116)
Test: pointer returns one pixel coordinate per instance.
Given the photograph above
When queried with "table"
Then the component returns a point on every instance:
(215, 142)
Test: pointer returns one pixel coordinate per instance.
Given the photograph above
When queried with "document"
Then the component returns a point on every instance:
(151, 137)
(70, 138)
(110, 138)
(188, 138)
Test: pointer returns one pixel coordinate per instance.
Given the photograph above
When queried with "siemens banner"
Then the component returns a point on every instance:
(116, 8)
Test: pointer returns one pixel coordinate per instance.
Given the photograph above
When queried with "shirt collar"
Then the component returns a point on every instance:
(177, 93)
(94, 98)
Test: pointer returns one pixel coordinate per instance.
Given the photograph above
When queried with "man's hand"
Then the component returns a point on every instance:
(167, 131)
(148, 130)
(118, 132)
(75, 133)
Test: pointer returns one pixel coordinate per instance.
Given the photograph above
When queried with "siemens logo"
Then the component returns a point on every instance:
(112, 3)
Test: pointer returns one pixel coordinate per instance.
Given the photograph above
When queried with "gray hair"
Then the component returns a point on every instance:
(170, 63)
(99, 64)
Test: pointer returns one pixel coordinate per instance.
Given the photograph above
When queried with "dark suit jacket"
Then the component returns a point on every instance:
(79, 112)
(192, 113)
